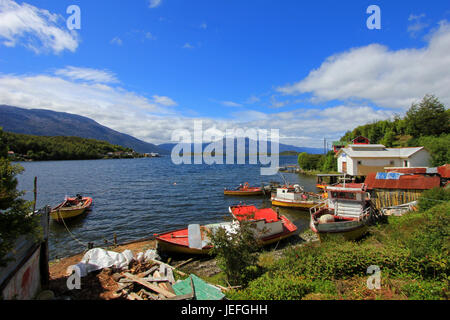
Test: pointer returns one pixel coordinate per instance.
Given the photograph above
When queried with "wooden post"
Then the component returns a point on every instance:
(35, 194)
(115, 239)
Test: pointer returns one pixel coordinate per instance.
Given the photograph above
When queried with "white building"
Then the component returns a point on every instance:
(360, 160)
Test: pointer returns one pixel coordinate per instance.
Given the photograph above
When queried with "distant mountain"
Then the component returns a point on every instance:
(50, 123)
(282, 147)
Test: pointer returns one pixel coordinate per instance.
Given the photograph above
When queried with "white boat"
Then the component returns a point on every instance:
(295, 197)
(347, 210)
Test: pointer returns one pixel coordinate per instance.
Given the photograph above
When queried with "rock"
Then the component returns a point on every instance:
(46, 295)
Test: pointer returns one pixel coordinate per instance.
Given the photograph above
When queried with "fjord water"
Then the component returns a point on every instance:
(136, 198)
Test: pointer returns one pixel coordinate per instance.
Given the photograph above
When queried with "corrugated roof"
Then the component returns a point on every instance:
(407, 170)
(381, 153)
(405, 182)
(444, 171)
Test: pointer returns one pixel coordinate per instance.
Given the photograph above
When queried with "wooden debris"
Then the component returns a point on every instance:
(183, 263)
(134, 296)
(147, 284)
(173, 268)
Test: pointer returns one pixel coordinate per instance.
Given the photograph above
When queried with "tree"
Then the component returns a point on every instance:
(14, 220)
(236, 252)
(428, 118)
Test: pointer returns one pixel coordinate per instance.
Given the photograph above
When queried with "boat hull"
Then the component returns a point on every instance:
(177, 241)
(295, 205)
(350, 230)
(59, 213)
(258, 192)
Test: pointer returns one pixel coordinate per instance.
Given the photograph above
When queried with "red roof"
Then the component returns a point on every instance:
(444, 171)
(407, 170)
(252, 213)
(406, 182)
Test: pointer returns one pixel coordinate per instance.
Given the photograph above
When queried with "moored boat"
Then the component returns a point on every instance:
(346, 211)
(71, 208)
(245, 190)
(295, 197)
(270, 227)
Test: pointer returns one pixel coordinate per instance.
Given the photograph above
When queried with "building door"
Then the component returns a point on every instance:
(344, 167)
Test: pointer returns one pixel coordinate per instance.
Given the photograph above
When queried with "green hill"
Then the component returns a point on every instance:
(29, 147)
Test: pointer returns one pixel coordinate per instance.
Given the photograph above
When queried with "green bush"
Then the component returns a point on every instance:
(426, 290)
(414, 248)
(282, 287)
(236, 253)
(433, 197)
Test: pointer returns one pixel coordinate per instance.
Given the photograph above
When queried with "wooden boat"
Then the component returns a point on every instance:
(295, 197)
(245, 190)
(71, 208)
(194, 240)
(346, 211)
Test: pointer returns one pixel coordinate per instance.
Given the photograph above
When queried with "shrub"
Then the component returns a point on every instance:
(236, 253)
(433, 197)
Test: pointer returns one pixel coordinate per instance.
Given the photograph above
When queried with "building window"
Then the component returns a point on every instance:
(359, 162)
(406, 163)
(391, 163)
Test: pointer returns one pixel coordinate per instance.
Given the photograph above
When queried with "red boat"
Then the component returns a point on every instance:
(270, 226)
(244, 190)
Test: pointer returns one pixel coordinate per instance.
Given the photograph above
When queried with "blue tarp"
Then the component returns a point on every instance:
(388, 176)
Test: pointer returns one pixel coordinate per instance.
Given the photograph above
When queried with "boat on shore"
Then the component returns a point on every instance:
(71, 208)
(270, 227)
(346, 211)
(295, 197)
(245, 190)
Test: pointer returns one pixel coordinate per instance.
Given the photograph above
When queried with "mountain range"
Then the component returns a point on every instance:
(51, 123)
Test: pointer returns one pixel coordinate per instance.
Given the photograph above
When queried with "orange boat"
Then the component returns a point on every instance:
(245, 190)
(71, 208)
(270, 226)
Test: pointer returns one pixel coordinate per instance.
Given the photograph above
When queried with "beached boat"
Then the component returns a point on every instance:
(245, 190)
(270, 228)
(71, 208)
(346, 211)
(295, 197)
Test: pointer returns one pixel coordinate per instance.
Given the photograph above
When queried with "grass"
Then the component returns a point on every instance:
(412, 253)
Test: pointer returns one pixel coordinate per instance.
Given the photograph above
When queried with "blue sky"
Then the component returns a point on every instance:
(146, 68)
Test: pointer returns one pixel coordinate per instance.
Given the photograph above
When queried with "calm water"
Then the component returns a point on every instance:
(136, 198)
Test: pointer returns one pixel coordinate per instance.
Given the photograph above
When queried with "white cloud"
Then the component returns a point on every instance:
(252, 99)
(153, 120)
(34, 28)
(230, 104)
(188, 46)
(164, 101)
(416, 24)
(154, 3)
(87, 74)
(390, 79)
(203, 26)
(116, 41)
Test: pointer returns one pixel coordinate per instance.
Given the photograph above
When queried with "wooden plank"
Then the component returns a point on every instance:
(169, 266)
(147, 284)
(146, 273)
(134, 296)
(183, 263)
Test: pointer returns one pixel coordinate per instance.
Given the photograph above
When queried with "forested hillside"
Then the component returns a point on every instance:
(28, 147)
